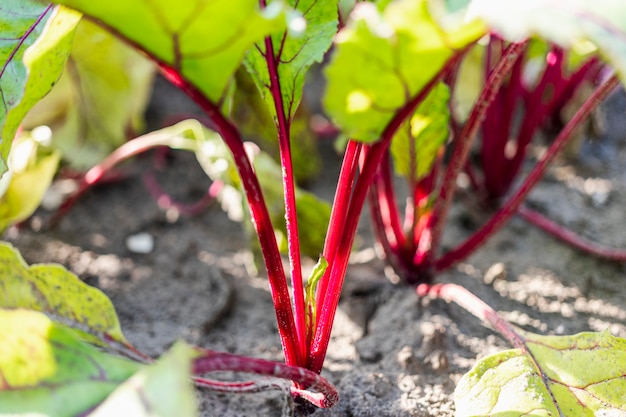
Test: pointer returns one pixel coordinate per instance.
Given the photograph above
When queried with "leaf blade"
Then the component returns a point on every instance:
(556, 380)
(53, 290)
(416, 144)
(397, 52)
(294, 54)
(204, 41)
(100, 97)
(36, 39)
(47, 370)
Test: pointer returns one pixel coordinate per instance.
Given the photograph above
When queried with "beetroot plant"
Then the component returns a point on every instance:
(391, 80)
(524, 87)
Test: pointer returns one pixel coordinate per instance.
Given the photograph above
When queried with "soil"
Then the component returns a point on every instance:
(391, 353)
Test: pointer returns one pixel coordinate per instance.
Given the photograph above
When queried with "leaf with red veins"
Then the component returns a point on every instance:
(46, 370)
(53, 290)
(35, 41)
(580, 375)
(281, 71)
(383, 59)
(204, 41)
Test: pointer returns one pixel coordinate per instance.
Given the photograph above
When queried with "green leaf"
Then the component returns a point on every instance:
(35, 40)
(571, 24)
(580, 375)
(417, 142)
(254, 121)
(31, 170)
(294, 52)
(203, 40)
(53, 290)
(48, 371)
(160, 390)
(470, 82)
(100, 97)
(383, 60)
(309, 290)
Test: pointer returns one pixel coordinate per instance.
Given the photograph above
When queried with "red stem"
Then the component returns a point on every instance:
(569, 237)
(258, 210)
(475, 306)
(510, 207)
(381, 218)
(464, 141)
(338, 213)
(210, 361)
(537, 108)
(496, 128)
(291, 216)
(388, 213)
(326, 310)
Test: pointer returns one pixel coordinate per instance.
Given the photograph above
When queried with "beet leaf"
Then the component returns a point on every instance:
(579, 375)
(45, 365)
(29, 69)
(52, 289)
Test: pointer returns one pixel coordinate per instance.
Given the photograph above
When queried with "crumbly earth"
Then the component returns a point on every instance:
(391, 353)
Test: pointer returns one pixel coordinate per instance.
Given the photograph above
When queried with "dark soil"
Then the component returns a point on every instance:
(391, 353)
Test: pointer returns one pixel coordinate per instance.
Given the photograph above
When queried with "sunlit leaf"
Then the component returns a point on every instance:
(417, 142)
(53, 290)
(294, 52)
(160, 390)
(571, 24)
(470, 82)
(31, 170)
(48, 371)
(384, 59)
(580, 375)
(35, 39)
(98, 100)
(203, 40)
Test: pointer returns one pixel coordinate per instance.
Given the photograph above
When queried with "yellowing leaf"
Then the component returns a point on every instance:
(48, 371)
(53, 290)
(580, 375)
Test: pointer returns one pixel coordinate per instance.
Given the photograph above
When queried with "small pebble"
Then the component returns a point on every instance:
(140, 243)
(495, 272)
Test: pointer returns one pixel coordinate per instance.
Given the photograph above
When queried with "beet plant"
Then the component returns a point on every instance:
(390, 82)
(412, 243)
